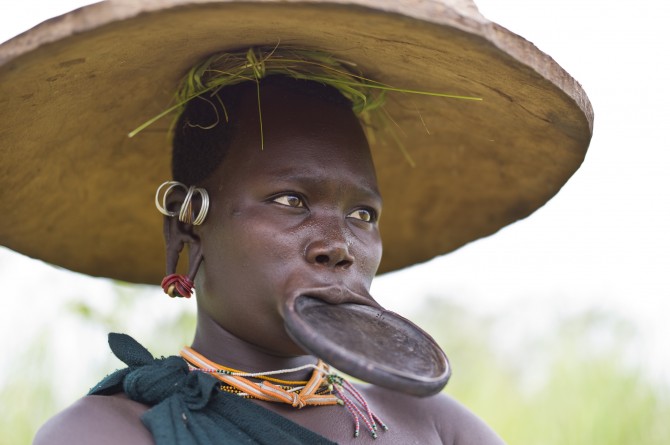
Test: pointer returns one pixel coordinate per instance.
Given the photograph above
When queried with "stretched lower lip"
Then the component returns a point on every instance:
(335, 295)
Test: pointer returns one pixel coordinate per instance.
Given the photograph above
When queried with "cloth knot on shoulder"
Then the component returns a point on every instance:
(151, 380)
(152, 383)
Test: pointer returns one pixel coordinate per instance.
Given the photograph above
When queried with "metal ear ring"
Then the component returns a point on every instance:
(165, 189)
(185, 212)
(204, 206)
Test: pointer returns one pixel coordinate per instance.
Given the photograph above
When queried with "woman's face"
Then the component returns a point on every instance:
(299, 216)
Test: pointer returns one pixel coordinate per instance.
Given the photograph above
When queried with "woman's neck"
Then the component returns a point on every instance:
(222, 347)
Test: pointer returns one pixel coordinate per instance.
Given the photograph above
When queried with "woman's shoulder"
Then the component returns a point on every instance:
(97, 419)
(453, 422)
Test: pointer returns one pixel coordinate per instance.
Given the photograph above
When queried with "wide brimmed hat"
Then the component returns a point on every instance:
(78, 193)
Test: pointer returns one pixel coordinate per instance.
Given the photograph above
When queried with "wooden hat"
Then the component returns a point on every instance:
(78, 193)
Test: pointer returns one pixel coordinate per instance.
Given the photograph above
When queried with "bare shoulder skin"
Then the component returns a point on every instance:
(102, 420)
(438, 419)
(411, 420)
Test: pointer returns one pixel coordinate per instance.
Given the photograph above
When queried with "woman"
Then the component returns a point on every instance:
(289, 205)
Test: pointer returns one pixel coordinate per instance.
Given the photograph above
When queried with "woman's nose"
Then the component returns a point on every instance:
(330, 252)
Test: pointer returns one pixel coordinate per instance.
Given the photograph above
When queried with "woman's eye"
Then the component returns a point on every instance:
(363, 214)
(289, 200)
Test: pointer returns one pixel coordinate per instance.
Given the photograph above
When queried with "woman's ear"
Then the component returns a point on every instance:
(183, 208)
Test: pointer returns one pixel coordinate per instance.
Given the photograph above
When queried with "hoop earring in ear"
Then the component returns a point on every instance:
(185, 212)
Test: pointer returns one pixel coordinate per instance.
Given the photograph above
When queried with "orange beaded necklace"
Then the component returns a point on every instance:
(301, 393)
(323, 388)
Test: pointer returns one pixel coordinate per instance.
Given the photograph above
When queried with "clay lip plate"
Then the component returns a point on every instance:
(371, 344)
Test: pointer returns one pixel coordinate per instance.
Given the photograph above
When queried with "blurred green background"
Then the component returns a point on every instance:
(571, 385)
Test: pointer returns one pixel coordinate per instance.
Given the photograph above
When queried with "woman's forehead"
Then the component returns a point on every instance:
(288, 134)
(306, 162)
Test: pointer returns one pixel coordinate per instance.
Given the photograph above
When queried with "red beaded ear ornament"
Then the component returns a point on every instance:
(178, 285)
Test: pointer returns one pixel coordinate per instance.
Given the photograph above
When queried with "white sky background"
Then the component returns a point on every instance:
(601, 242)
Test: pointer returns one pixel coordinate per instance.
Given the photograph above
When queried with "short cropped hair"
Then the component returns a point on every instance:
(202, 135)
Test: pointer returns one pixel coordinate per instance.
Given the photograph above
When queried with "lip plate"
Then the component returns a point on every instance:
(371, 344)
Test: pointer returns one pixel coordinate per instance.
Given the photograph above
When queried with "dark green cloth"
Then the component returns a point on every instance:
(188, 409)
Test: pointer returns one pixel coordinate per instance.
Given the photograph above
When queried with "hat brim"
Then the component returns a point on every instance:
(78, 193)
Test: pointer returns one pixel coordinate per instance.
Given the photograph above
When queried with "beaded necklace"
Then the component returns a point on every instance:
(323, 388)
